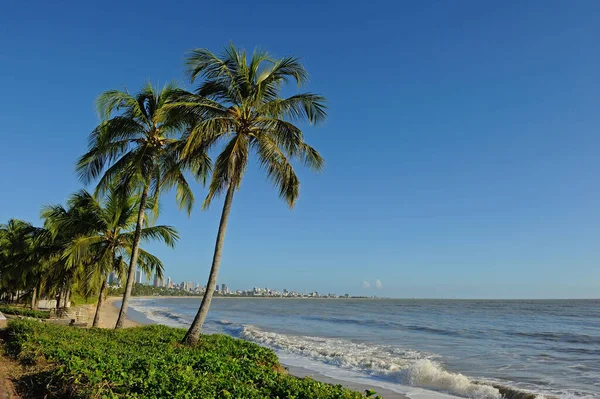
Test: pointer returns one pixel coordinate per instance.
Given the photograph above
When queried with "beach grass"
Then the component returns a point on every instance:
(150, 362)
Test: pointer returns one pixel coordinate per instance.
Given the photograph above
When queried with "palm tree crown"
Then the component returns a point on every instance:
(237, 103)
(106, 231)
(137, 140)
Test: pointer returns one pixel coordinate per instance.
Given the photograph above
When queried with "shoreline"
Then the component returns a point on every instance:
(301, 372)
(252, 297)
(110, 312)
(359, 383)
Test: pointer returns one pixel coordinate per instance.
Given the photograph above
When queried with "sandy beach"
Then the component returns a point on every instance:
(109, 313)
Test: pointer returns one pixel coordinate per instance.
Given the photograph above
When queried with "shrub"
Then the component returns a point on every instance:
(78, 299)
(149, 362)
(38, 314)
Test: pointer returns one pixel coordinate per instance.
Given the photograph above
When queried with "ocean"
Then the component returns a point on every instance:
(463, 348)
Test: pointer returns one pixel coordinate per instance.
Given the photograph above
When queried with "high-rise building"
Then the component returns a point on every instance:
(138, 276)
(224, 289)
(168, 282)
(158, 281)
(113, 279)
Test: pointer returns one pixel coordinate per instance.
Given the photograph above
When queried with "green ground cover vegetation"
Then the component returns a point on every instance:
(17, 311)
(150, 362)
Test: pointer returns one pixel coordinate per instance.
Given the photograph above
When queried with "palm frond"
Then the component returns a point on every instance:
(229, 167)
(278, 169)
(83, 249)
(150, 264)
(202, 63)
(282, 70)
(166, 234)
(91, 164)
(306, 106)
(116, 100)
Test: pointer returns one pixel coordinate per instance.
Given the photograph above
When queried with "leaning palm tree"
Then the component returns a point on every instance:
(238, 105)
(105, 238)
(135, 147)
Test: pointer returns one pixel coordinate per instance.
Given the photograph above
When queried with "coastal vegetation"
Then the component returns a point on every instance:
(77, 248)
(107, 238)
(149, 362)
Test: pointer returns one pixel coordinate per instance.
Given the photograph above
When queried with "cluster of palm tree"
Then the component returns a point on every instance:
(146, 144)
(76, 249)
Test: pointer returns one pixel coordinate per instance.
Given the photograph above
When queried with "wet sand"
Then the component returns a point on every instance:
(385, 393)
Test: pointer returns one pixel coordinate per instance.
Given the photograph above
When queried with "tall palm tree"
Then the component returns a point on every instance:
(105, 237)
(135, 147)
(238, 104)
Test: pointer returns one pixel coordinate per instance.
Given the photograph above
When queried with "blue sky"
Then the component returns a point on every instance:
(461, 144)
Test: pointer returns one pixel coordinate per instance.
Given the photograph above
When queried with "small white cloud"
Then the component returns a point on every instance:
(366, 284)
(378, 284)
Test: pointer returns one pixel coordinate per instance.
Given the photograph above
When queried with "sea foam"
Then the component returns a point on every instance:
(404, 366)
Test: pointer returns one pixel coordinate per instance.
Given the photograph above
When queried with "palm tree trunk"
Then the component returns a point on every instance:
(193, 334)
(59, 299)
(134, 257)
(37, 297)
(68, 298)
(34, 298)
(100, 303)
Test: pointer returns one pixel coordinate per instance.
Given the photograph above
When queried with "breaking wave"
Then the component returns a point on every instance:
(161, 315)
(405, 366)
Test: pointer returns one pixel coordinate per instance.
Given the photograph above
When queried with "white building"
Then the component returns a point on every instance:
(113, 279)
(138, 276)
(158, 282)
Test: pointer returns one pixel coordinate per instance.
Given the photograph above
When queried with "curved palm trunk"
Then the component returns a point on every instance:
(39, 293)
(59, 299)
(34, 298)
(99, 305)
(193, 334)
(134, 257)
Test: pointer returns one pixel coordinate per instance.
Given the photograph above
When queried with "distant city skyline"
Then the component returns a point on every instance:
(222, 288)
